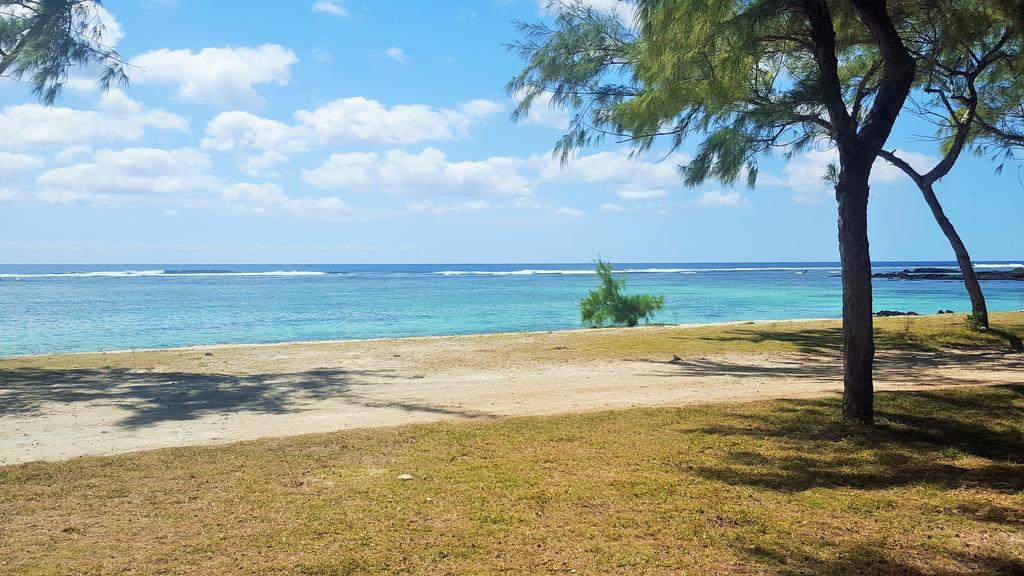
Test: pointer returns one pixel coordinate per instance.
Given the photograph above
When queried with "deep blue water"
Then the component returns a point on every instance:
(73, 308)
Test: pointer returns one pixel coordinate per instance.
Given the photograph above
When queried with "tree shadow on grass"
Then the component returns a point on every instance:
(830, 340)
(867, 559)
(154, 397)
(920, 369)
(948, 440)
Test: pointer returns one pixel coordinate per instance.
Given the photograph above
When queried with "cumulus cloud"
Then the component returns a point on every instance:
(116, 118)
(332, 7)
(346, 120)
(7, 195)
(804, 173)
(395, 53)
(429, 171)
(618, 167)
(364, 120)
(109, 33)
(626, 9)
(239, 130)
(262, 165)
(19, 163)
(268, 196)
(718, 199)
(219, 76)
(612, 207)
(131, 171)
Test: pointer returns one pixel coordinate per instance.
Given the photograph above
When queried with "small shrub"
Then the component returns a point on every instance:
(976, 322)
(607, 304)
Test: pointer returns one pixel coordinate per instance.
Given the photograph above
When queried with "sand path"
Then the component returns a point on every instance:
(120, 402)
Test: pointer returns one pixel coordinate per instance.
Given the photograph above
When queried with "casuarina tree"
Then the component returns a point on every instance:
(608, 305)
(970, 57)
(41, 40)
(744, 79)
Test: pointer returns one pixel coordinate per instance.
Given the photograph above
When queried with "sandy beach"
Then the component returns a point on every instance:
(58, 407)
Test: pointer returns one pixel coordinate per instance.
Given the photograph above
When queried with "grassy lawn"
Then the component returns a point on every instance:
(766, 488)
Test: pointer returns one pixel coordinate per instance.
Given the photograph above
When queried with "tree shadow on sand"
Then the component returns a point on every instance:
(946, 440)
(154, 397)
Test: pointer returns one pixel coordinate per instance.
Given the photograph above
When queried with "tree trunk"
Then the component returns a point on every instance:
(858, 337)
(978, 307)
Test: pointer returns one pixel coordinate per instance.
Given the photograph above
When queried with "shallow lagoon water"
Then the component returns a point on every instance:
(52, 309)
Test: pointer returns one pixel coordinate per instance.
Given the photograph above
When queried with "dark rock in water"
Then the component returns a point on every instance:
(950, 274)
(885, 313)
(945, 312)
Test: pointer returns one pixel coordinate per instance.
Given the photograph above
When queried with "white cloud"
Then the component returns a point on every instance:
(363, 120)
(262, 165)
(109, 33)
(7, 195)
(332, 7)
(631, 193)
(612, 207)
(75, 153)
(429, 171)
(544, 113)
(117, 117)
(804, 173)
(569, 212)
(626, 9)
(617, 167)
(395, 53)
(132, 171)
(244, 131)
(220, 76)
(264, 197)
(346, 120)
(19, 163)
(719, 199)
(448, 207)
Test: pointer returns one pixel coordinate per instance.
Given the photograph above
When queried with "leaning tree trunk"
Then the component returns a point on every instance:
(978, 307)
(858, 337)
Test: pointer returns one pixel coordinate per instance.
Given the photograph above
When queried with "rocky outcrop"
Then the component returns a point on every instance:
(950, 274)
(886, 313)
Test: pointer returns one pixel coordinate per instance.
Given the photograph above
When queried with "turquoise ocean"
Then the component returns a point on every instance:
(48, 309)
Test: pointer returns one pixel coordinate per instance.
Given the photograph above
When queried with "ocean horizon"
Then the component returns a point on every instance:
(65, 308)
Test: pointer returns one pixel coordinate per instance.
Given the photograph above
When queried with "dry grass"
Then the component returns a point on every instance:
(768, 488)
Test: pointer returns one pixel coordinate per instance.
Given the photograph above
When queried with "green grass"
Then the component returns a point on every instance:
(779, 487)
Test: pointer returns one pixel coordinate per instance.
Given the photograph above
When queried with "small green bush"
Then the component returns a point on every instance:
(977, 322)
(607, 304)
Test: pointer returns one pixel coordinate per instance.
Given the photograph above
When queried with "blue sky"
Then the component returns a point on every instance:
(360, 131)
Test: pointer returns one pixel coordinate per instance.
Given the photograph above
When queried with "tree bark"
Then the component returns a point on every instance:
(858, 322)
(857, 152)
(978, 307)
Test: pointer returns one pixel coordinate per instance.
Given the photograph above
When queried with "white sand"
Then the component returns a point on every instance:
(61, 407)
